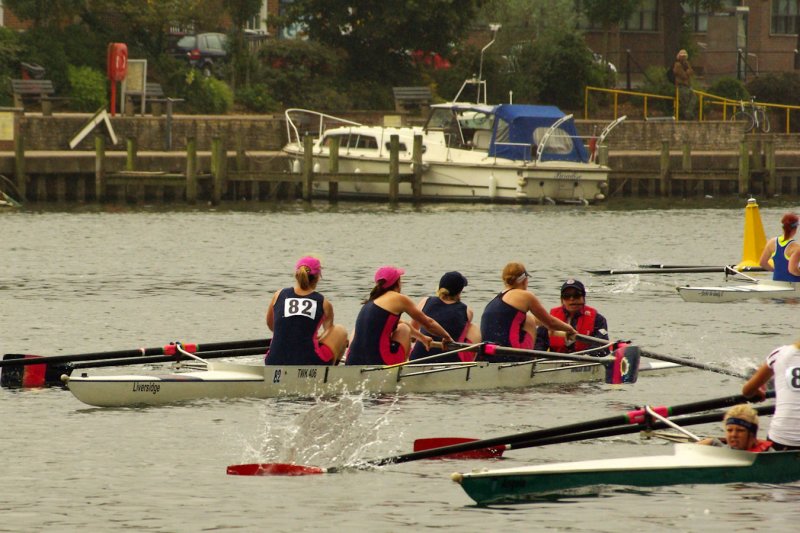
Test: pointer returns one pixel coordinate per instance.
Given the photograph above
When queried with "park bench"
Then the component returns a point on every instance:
(155, 96)
(411, 98)
(41, 91)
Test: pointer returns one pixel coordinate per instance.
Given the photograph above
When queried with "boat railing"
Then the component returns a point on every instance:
(300, 122)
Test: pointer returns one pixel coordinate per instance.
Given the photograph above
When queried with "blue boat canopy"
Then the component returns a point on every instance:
(518, 130)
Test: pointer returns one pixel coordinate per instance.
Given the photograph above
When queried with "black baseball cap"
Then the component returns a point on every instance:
(574, 284)
(453, 281)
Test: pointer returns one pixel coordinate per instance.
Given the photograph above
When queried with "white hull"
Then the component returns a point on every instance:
(231, 380)
(765, 289)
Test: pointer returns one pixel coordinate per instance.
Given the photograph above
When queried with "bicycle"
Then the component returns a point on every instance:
(754, 116)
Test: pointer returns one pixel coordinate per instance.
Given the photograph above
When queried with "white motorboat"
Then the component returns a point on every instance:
(469, 151)
(232, 380)
(753, 288)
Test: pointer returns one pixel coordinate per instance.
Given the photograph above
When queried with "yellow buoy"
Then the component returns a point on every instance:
(754, 237)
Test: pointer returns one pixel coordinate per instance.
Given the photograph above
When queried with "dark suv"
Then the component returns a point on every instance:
(203, 50)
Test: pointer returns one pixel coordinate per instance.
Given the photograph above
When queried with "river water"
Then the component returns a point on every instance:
(109, 278)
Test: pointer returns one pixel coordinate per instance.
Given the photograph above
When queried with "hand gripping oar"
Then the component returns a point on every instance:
(35, 371)
(673, 359)
(636, 416)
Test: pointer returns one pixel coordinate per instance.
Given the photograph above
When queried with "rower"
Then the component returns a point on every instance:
(782, 253)
(741, 429)
(574, 311)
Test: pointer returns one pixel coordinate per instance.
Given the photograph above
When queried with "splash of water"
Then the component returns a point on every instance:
(339, 432)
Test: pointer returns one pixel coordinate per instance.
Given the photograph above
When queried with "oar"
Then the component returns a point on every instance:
(32, 372)
(439, 442)
(657, 269)
(621, 367)
(632, 417)
(672, 359)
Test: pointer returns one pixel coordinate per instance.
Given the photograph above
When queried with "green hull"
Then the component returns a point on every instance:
(770, 467)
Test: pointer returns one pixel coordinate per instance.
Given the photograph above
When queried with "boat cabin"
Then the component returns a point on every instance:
(509, 131)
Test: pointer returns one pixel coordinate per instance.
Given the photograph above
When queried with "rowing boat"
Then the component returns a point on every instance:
(689, 464)
(766, 289)
(235, 380)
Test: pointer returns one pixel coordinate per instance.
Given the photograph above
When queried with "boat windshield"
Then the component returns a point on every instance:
(446, 121)
(352, 140)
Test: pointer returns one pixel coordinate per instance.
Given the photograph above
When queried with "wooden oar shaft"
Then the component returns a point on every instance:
(139, 352)
(632, 417)
(628, 429)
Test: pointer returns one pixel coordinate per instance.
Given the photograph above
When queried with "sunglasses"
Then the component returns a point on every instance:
(571, 295)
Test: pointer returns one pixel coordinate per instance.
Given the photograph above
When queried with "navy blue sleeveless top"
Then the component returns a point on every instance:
(452, 317)
(294, 336)
(503, 324)
(372, 340)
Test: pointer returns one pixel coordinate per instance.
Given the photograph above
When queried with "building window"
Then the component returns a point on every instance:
(784, 15)
(645, 18)
(698, 17)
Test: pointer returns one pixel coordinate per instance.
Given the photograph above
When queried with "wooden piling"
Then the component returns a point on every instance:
(100, 168)
(308, 167)
(416, 158)
(772, 184)
(394, 167)
(333, 168)
(131, 145)
(686, 156)
(19, 164)
(744, 167)
(219, 169)
(664, 169)
(191, 170)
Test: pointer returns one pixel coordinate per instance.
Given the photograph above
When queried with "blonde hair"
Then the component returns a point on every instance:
(743, 411)
(512, 272)
(305, 279)
(443, 293)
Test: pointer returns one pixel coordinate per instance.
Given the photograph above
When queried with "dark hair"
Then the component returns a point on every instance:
(379, 290)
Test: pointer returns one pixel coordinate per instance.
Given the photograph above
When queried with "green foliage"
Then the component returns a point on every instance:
(776, 88)
(87, 88)
(609, 12)
(207, 95)
(257, 98)
(44, 47)
(302, 72)
(730, 88)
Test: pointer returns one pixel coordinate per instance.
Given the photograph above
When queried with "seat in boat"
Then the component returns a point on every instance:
(481, 139)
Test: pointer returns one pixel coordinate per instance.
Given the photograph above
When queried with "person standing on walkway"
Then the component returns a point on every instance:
(784, 251)
(682, 70)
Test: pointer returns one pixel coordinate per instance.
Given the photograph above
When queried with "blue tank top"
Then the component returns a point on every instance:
(452, 317)
(780, 270)
(502, 324)
(372, 340)
(294, 336)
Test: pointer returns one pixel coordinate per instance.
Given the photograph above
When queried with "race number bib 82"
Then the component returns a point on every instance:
(300, 307)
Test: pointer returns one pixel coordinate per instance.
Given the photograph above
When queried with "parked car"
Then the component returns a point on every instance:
(204, 51)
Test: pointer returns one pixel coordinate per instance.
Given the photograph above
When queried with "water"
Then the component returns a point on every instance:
(93, 279)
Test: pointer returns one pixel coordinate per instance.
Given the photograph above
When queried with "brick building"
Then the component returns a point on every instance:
(743, 38)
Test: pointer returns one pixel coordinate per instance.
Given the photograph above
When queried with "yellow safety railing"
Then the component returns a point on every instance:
(727, 102)
(617, 92)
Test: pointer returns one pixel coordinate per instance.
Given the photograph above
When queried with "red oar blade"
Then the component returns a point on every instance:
(439, 442)
(273, 469)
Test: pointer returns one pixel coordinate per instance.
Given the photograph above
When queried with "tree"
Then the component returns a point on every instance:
(240, 11)
(379, 35)
(674, 16)
(45, 13)
(610, 14)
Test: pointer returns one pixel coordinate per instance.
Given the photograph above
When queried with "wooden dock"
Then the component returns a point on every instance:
(223, 174)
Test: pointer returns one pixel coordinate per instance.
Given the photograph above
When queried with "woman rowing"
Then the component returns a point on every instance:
(380, 337)
(454, 316)
(295, 315)
(784, 251)
(510, 318)
(741, 431)
(784, 364)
